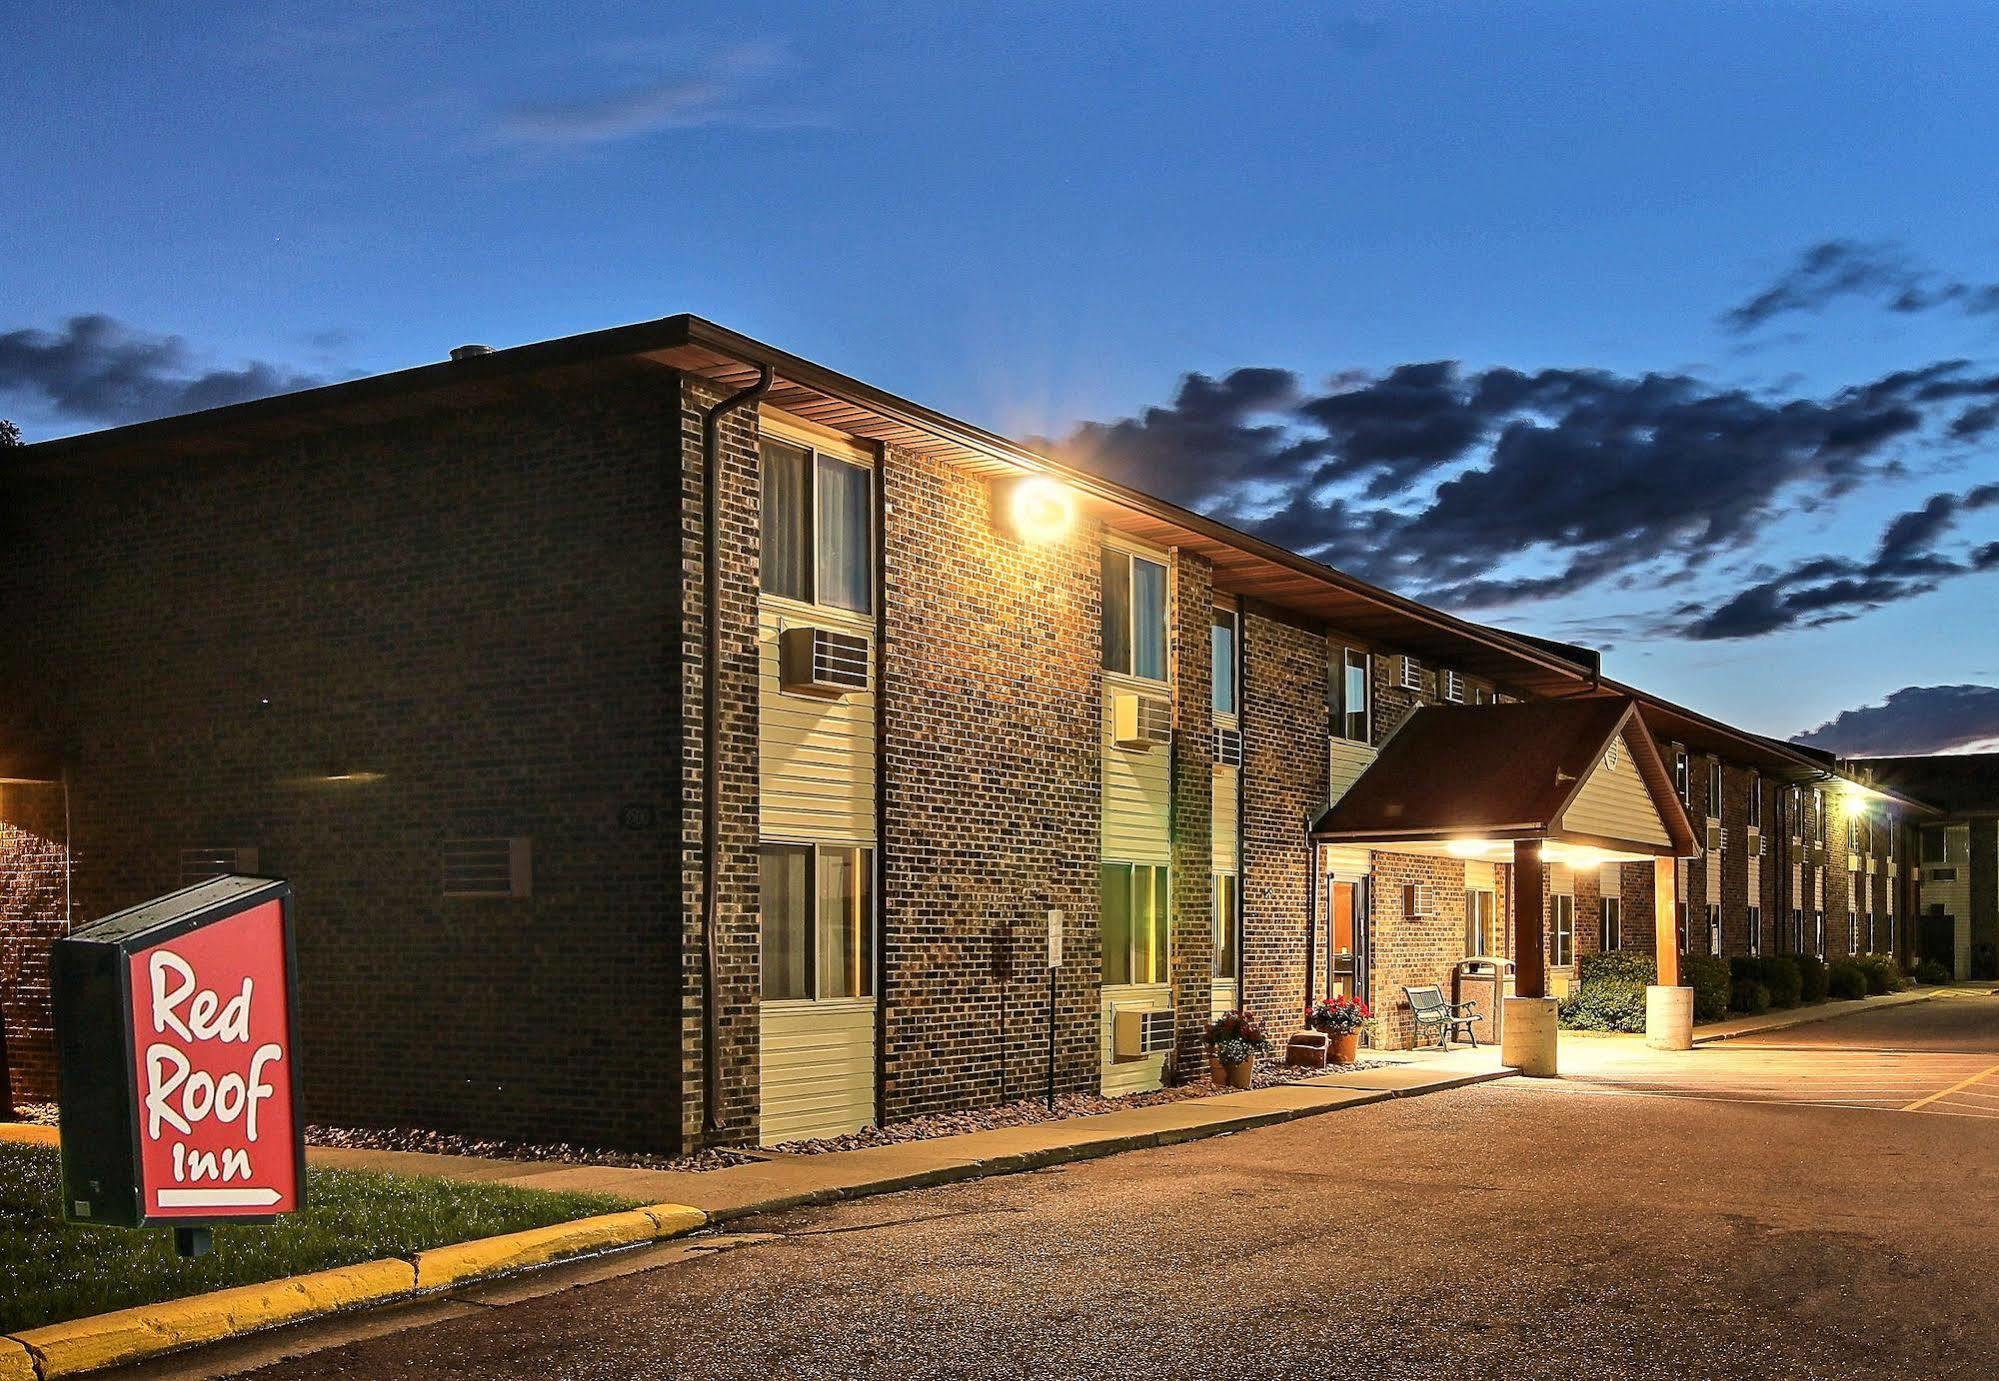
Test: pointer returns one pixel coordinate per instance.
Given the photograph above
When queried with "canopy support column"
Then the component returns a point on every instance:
(1530, 891)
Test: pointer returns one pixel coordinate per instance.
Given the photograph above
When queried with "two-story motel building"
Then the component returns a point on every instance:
(672, 741)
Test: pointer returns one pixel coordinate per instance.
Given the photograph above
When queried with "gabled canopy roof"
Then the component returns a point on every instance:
(1510, 772)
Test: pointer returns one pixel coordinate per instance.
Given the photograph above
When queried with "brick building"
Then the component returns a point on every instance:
(672, 741)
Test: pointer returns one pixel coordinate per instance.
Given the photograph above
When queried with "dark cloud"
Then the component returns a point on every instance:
(1446, 482)
(1879, 271)
(1915, 719)
(98, 370)
(1830, 589)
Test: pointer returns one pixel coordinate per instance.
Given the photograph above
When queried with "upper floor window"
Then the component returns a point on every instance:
(1680, 782)
(1818, 815)
(1755, 803)
(1134, 593)
(1933, 845)
(1222, 656)
(1349, 691)
(1714, 788)
(1134, 922)
(818, 527)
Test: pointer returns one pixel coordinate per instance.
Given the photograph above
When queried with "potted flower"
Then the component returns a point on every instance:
(1342, 1019)
(1234, 1042)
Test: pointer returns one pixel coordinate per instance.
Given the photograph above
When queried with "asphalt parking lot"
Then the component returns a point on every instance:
(1781, 1207)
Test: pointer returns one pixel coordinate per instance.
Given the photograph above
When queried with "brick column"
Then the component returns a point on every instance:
(1193, 809)
(1530, 894)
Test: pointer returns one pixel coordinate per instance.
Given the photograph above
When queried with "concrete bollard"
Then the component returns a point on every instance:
(1528, 1035)
(1669, 1018)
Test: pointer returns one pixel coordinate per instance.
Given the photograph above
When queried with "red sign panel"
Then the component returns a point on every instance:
(211, 1046)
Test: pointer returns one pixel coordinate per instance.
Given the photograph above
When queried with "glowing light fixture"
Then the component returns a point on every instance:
(1036, 508)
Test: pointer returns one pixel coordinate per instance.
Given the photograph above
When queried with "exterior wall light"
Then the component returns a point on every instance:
(1035, 508)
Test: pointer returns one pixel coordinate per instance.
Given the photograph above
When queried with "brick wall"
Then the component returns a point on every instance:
(992, 678)
(1412, 950)
(1193, 868)
(33, 860)
(475, 605)
(1284, 733)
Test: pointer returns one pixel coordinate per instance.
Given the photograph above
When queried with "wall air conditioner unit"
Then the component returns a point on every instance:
(1717, 838)
(1142, 1031)
(1451, 685)
(1419, 899)
(1228, 747)
(822, 661)
(1406, 673)
(1140, 721)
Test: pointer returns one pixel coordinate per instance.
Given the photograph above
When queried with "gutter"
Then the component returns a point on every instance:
(711, 729)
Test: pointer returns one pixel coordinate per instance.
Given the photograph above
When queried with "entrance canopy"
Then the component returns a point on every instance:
(1582, 775)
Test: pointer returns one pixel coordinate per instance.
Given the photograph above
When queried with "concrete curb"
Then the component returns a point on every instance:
(151, 1330)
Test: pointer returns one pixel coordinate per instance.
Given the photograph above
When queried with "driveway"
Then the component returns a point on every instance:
(1777, 1207)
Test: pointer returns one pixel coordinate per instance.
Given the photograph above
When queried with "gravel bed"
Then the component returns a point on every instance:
(41, 1114)
(451, 1144)
(1027, 1112)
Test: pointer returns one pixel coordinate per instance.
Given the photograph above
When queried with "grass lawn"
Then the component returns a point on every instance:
(54, 1271)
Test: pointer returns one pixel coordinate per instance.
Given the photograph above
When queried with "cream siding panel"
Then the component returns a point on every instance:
(816, 753)
(1610, 880)
(1480, 877)
(1345, 761)
(1146, 1073)
(1755, 880)
(1615, 804)
(1347, 860)
(1561, 880)
(1138, 793)
(1713, 882)
(816, 1067)
(1226, 820)
(1221, 997)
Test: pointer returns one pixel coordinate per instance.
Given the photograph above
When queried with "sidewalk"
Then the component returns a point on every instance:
(786, 1181)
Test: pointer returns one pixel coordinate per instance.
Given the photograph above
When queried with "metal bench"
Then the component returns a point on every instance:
(1427, 1005)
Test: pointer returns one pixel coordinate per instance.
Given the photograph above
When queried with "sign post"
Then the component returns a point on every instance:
(1055, 919)
(178, 1081)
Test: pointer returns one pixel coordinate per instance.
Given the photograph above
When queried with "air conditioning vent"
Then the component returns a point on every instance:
(1451, 685)
(1419, 899)
(1228, 747)
(497, 867)
(1406, 672)
(199, 865)
(1717, 838)
(1141, 721)
(822, 661)
(1142, 1031)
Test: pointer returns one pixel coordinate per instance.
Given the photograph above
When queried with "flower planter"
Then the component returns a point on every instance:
(1345, 1048)
(1241, 1074)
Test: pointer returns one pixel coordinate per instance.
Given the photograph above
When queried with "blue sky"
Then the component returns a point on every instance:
(1040, 215)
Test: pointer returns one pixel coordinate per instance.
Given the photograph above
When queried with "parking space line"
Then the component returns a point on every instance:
(1961, 1084)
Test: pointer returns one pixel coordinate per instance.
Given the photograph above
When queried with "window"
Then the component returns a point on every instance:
(1853, 831)
(1612, 936)
(1818, 933)
(1227, 927)
(1680, 783)
(1134, 594)
(1797, 930)
(818, 527)
(1222, 660)
(1755, 803)
(1481, 907)
(1562, 946)
(1797, 810)
(818, 921)
(1755, 930)
(1713, 928)
(1714, 788)
(1852, 931)
(1350, 692)
(1932, 844)
(1133, 897)
(1818, 814)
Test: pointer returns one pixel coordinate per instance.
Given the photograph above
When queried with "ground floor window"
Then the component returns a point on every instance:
(817, 921)
(1562, 945)
(1818, 934)
(1713, 928)
(1134, 911)
(1613, 925)
(1481, 911)
(1755, 930)
(1228, 934)
(1797, 930)
(1853, 932)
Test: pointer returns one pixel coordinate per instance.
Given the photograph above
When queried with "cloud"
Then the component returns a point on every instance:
(1914, 719)
(1482, 488)
(1880, 271)
(727, 92)
(1830, 589)
(97, 369)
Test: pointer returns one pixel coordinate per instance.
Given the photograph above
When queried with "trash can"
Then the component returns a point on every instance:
(1488, 981)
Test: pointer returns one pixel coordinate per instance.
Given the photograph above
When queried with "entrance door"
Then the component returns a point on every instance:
(1938, 939)
(1346, 939)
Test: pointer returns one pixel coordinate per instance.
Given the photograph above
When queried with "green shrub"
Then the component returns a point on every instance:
(1618, 965)
(1930, 971)
(1845, 979)
(1610, 991)
(1811, 978)
(1884, 972)
(1778, 973)
(1747, 995)
(1707, 975)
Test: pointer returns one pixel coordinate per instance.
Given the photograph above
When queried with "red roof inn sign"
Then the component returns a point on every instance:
(178, 1075)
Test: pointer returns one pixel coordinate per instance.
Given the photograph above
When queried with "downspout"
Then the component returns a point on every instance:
(879, 882)
(711, 728)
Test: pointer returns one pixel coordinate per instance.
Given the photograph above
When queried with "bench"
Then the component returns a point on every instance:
(1431, 1012)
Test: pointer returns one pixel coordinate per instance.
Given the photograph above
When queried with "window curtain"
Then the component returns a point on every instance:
(845, 522)
(787, 520)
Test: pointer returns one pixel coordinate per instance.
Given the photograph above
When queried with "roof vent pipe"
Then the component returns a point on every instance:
(471, 352)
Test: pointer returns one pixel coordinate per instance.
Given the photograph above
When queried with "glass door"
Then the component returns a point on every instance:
(1346, 939)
